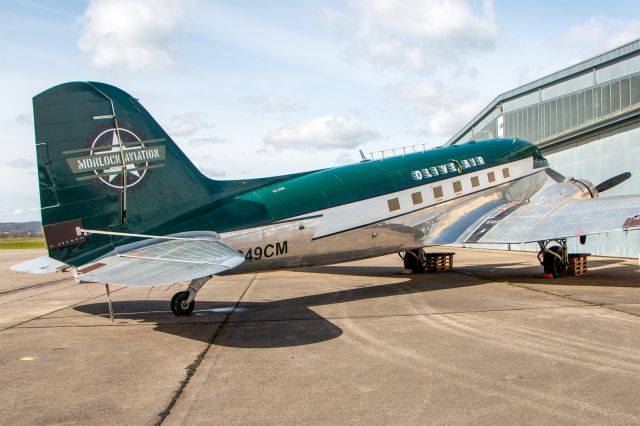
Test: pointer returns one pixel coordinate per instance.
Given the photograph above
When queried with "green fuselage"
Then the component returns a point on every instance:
(319, 190)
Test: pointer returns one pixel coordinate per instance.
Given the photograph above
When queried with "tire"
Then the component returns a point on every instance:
(414, 260)
(178, 305)
(552, 265)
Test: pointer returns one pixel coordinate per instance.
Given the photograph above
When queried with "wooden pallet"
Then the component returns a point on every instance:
(577, 264)
(438, 262)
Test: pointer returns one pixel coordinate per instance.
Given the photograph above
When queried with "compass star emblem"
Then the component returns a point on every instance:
(113, 176)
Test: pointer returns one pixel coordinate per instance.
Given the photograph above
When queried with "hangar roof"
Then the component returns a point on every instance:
(590, 65)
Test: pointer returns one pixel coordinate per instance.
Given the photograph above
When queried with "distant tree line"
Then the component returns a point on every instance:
(21, 230)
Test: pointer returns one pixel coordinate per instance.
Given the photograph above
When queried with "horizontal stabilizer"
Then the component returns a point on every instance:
(39, 265)
(161, 262)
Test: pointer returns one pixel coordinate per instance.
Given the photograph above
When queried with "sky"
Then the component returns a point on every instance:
(260, 88)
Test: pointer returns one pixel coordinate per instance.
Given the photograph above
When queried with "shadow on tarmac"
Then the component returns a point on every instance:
(601, 273)
(277, 323)
(293, 322)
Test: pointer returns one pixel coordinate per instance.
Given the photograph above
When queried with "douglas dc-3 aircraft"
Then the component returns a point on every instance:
(121, 204)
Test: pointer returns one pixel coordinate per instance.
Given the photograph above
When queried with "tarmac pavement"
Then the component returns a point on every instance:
(356, 343)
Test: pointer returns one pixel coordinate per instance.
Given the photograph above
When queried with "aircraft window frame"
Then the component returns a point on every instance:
(393, 204)
(416, 198)
(475, 181)
(437, 190)
(457, 186)
(506, 173)
(491, 177)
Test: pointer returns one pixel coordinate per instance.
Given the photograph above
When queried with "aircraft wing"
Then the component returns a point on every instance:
(532, 221)
(160, 262)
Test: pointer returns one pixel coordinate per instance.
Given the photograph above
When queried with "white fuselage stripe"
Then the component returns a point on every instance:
(376, 209)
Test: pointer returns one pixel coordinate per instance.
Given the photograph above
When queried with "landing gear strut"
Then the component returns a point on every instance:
(414, 260)
(183, 302)
(554, 259)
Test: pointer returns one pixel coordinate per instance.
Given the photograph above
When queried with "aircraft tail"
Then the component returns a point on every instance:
(105, 164)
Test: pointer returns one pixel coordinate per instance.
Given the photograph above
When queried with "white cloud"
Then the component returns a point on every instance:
(185, 125)
(333, 131)
(23, 164)
(206, 165)
(211, 140)
(270, 104)
(211, 171)
(195, 129)
(446, 123)
(125, 36)
(417, 43)
(600, 34)
(422, 35)
(332, 17)
(26, 119)
(527, 73)
(17, 214)
(345, 158)
(446, 108)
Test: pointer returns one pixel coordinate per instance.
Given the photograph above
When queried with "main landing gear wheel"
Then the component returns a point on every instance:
(179, 304)
(553, 264)
(415, 261)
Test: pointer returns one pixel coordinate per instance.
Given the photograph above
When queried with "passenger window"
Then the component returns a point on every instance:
(491, 176)
(394, 204)
(437, 192)
(475, 182)
(416, 197)
(457, 186)
(505, 173)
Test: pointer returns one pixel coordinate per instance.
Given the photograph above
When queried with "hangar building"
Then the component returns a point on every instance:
(586, 121)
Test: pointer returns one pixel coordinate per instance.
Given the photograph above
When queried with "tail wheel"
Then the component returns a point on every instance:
(553, 264)
(414, 260)
(179, 305)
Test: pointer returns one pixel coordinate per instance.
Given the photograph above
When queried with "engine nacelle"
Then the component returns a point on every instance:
(571, 189)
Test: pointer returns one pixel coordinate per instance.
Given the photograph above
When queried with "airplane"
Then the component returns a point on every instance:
(121, 204)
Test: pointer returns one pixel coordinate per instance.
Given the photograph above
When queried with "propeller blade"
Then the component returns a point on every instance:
(555, 175)
(611, 182)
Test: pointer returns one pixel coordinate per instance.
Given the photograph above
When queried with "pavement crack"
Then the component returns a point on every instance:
(38, 294)
(192, 368)
(33, 286)
(611, 307)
